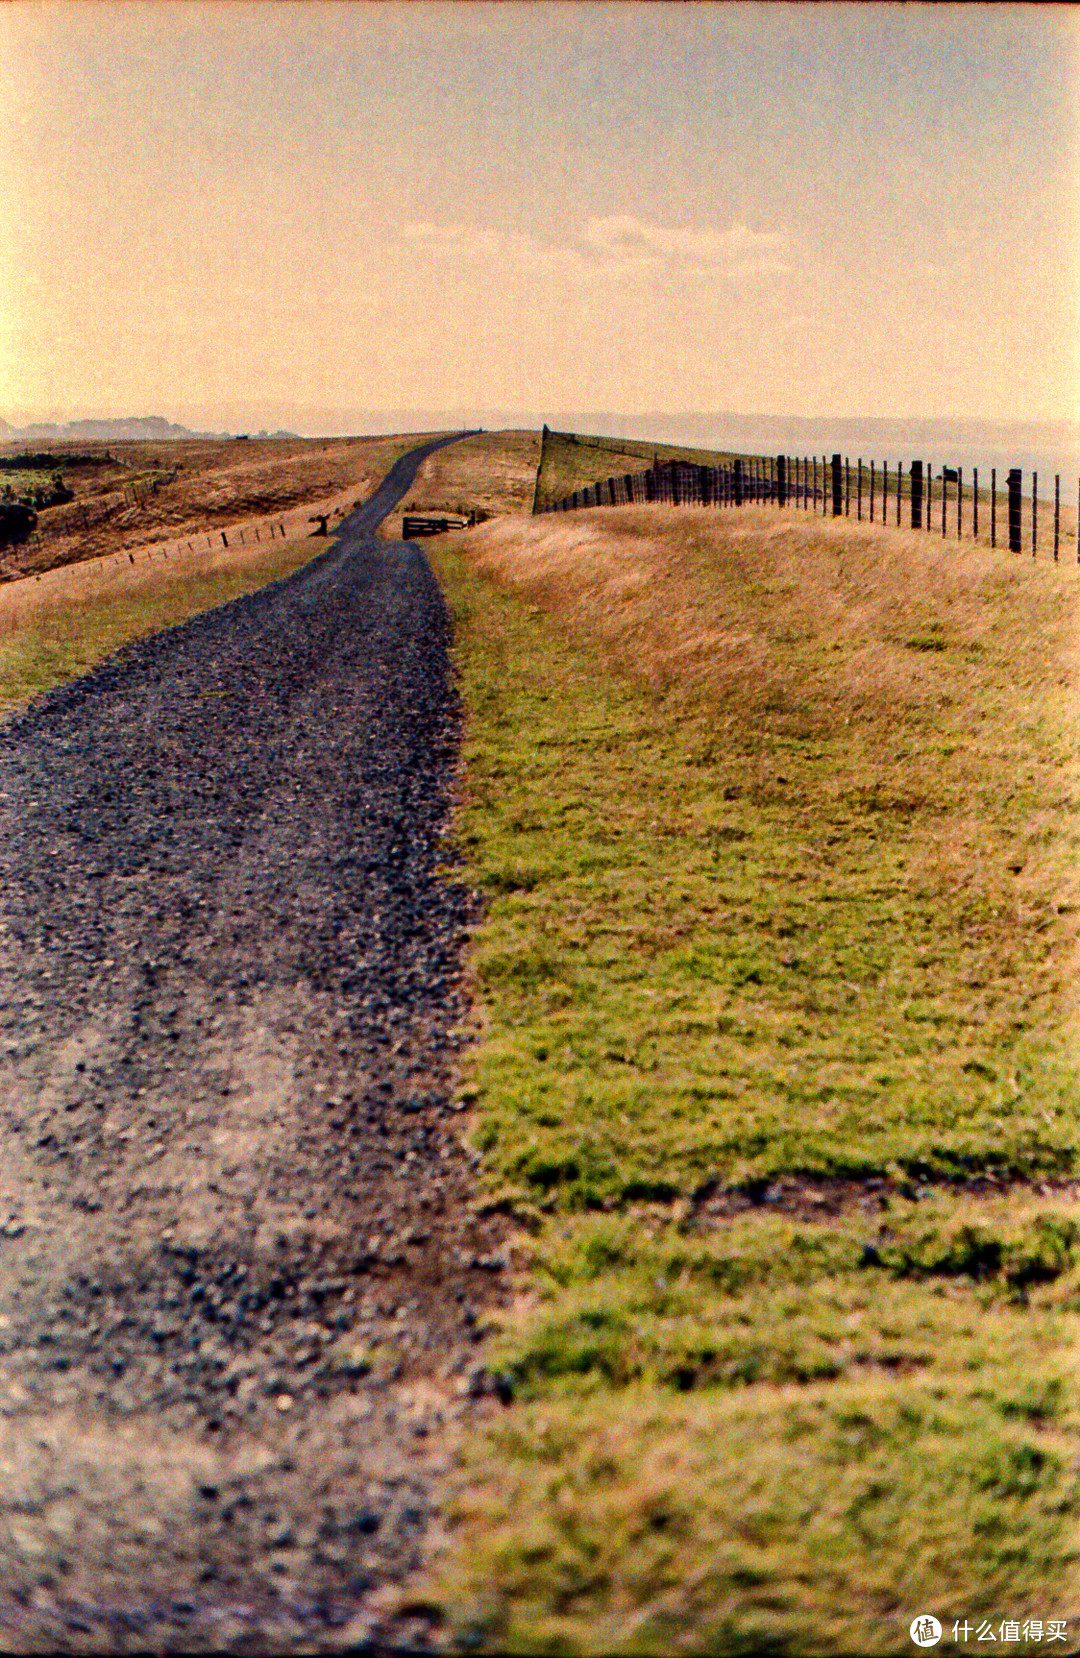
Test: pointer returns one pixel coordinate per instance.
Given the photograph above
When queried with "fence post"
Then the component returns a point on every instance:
(737, 483)
(847, 487)
(1013, 485)
(837, 487)
(1057, 512)
(781, 480)
(929, 490)
(871, 492)
(1034, 500)
(993, 506)
(959, 500)
(944, 493)
(975, 502)
(899, 488)
(916, 495)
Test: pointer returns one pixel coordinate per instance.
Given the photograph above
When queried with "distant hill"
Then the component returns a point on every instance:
(141, 428)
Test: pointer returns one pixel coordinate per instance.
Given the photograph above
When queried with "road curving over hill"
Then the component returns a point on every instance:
(241, 1283)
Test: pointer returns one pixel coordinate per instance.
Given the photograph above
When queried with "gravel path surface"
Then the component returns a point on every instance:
(241, 1285)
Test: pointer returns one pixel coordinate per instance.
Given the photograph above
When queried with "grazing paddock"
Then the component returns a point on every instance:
(776, 1061)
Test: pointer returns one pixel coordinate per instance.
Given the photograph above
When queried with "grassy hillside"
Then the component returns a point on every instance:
(570, 461)
(128, 494)
(492, 472)
(56, 628)
(777, 822)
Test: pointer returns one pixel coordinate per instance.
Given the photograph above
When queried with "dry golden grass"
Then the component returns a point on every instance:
(492, 471)
(866, 638)
(668, 591)
(201, 484)
(778, 824)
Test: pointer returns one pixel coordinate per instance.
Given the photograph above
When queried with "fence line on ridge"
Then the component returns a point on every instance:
(793, 481)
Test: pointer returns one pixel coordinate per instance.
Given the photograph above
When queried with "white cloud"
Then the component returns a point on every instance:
(617, 247)
(622, 236)
(510, 249)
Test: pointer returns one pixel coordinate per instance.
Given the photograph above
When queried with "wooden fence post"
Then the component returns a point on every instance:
(993, 506)
(837, 487)
(858, 486)
(737, 482)
(929, 490)
(916, 495)
(781, 481)
(899, 487)
(975, 502)
(871, 492)
(1057, 512)
(1013, 485)
(1034, 501)
(944, 493)
(959, 500)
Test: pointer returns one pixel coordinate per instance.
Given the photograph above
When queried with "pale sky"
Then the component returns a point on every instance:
(817, 209)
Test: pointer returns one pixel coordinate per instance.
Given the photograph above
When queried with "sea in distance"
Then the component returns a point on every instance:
(1047, 448)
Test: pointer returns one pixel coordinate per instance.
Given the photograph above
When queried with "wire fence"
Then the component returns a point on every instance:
(279, 527)
(1000, 513)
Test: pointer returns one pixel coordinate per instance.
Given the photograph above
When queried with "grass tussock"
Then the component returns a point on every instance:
(777, 823)
(785, 892)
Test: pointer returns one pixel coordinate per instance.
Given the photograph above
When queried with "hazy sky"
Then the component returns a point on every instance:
(814, 209)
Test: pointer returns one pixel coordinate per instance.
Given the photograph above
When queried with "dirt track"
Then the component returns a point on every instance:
(240, 1281)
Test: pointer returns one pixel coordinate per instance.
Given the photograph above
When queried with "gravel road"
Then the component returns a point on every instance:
(242, 1288)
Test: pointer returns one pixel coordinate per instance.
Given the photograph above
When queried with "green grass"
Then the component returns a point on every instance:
(570, 461)
(57, 640)
(772, 1440)
(791, 925)
(730, 959)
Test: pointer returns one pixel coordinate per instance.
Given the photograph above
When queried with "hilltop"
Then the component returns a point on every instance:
(127, 428)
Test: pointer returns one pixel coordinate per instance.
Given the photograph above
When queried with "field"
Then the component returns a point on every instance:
(570, 461)
(131, 494)
(776, 1067)
(73, 614)
(493, 472)
(774, 1064)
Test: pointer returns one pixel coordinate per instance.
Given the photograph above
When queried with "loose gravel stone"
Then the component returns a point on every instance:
(229, 970)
